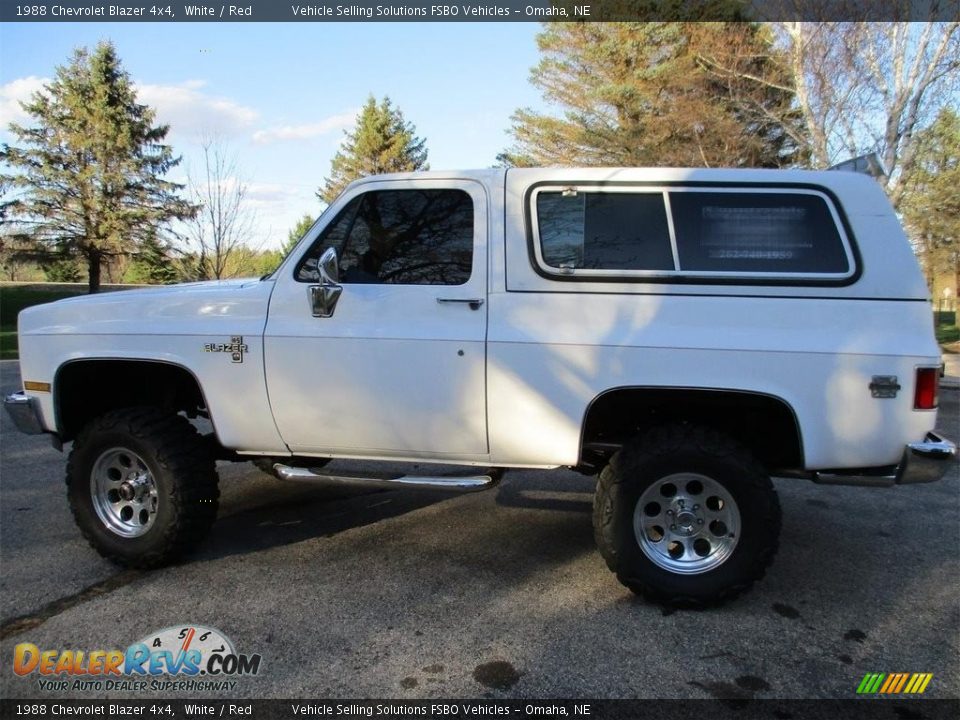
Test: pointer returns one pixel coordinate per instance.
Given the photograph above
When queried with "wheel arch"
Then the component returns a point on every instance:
(765, 423)
(80, 392)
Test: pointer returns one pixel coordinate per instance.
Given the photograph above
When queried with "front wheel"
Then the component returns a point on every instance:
(142, 486)
(686, 517)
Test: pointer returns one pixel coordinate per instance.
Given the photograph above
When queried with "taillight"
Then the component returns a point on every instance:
(925, 396)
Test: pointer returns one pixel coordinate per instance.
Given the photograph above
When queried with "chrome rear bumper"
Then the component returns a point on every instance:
(926, 461)
(24, 412)
(922, 462)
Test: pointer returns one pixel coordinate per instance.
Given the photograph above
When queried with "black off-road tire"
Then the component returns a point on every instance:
(183, 472)
(658, 454)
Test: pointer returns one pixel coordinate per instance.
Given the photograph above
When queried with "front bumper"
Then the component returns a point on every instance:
(922, 462)
(25, 413)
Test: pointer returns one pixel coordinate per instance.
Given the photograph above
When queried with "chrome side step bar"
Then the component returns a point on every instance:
(472, 483)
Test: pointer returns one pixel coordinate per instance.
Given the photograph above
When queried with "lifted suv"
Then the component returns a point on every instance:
(683, 334)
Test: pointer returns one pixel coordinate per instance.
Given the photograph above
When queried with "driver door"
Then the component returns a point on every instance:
(397, 369)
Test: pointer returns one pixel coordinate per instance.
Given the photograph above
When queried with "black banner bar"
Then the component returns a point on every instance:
(734, 709)
(476, 11)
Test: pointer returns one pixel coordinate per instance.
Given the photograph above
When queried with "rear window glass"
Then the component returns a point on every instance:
(604, 231)
(689, 232)
(756, 233)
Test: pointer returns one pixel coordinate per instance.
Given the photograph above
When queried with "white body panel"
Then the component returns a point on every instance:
(550, 356)
(393, 371)
(171, 325)
(556, 345)
(385, 377)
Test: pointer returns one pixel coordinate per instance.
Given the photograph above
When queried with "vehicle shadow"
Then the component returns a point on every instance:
(259, 512)
(556, 491)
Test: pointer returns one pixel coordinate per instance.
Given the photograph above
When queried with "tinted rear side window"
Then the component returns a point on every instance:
(693, 234)
(756, 233)
(604, 231)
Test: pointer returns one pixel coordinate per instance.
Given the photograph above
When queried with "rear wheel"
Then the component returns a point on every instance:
(685, 516)
(142, 486)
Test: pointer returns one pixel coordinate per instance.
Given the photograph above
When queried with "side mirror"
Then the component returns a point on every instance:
(323, 297)
(329, 267)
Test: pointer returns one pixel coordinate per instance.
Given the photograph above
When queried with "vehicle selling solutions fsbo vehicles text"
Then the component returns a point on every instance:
(356, 11)
(436, 11)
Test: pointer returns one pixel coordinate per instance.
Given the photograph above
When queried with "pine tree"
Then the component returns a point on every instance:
(153, 264)
(90, 170)
(381, 142)
(633, 94)
(296, 233)
(60, 269)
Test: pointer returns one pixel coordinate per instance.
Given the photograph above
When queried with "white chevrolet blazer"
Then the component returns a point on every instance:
(681, 334)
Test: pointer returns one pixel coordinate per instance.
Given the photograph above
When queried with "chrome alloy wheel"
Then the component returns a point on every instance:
(124, 492)
(687, 523)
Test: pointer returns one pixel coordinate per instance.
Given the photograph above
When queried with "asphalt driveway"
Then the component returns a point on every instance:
(499, 594)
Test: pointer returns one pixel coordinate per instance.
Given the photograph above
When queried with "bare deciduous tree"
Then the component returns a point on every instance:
(224, 223)
(862, 87)
(869, 87)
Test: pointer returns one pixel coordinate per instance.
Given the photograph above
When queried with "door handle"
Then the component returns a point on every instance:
(474, 303)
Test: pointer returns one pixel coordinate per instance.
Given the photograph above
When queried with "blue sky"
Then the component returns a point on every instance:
(281, 94)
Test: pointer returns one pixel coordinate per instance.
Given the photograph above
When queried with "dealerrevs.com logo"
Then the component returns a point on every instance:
(184, 657)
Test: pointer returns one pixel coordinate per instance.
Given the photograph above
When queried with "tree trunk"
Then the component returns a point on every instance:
(956, 292)
(93, 271)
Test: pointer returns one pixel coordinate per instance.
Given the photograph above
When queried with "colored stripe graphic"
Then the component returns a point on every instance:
(894, 683)
(926, 681)
(903, 680)
(870, 683)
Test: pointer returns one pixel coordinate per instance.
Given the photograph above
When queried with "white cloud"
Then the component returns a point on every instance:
(306, 131)
(185, 106)
(189, 111)
(15, 92)
(267, 193)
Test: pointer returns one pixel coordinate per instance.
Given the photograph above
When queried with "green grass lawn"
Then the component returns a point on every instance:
(8, 343)
(948, 334)
(945, 325)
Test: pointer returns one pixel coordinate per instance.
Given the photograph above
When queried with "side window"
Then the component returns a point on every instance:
(757, 233)
(405, 237)
(699, 233)
(333, 235)
(604, 231)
